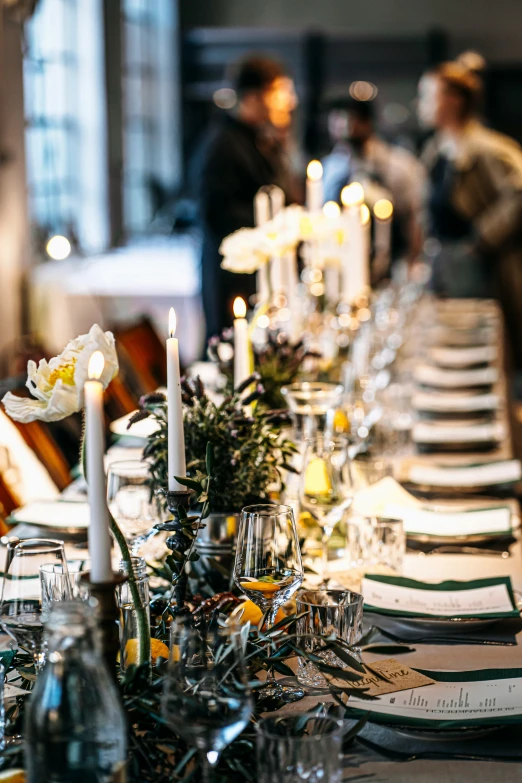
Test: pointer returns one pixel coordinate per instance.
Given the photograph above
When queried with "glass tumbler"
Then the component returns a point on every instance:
(326, 612)
(299, 747)
(376, 544)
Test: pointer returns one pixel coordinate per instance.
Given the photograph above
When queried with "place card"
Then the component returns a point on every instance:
(480, 598)
(53, 513)
(398, 677)
(481, 475)
(463, 357)
(488, 695)
(439, 402)
(448, 524)
(424, 432)
(429, 375)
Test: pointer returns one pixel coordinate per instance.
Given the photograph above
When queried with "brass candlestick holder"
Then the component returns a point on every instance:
(176, 541)
(107, 615)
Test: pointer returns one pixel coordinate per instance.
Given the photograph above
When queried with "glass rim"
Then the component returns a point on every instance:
(312, 386)
(380, 521)
(264, 729)
(130, 465)
(356, 602)
(266, 510)
(44, 568)
(41, 546)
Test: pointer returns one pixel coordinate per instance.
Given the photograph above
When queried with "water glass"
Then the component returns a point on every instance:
(326, 612)
(298, 748)
(129, 628)
(366, 471)
(312, 407)
(206, 697)
(132, 502)
(55, 584)
(376, 544)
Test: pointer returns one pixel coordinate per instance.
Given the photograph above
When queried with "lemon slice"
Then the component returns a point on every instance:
(13, 776)
(317, 480)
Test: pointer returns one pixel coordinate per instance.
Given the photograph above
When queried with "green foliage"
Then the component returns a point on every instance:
(278, 363)
(244, 442)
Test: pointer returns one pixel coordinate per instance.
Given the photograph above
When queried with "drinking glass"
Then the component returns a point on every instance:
(206, 697)
(299, 747)
(132, 502)
(326, 487)
(326, 612)
(21, 612)
(312, 406)
(366, 471)
(268, 570)
(376, 544)
(55, 584)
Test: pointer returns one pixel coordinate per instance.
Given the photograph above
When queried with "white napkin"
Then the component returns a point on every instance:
(463, 357)
(372, 501)
(446, 524)
(488, 474)
(59, 513)
(439, 402)
(424, 432)
(453, 379)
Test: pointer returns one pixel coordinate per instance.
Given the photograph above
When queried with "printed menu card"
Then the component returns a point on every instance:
(480, 598)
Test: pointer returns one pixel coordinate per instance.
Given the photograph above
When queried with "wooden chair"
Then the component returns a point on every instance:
(142, 356)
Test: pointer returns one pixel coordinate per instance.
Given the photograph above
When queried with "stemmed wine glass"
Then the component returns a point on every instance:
(326, 487)
(132, 502)
(268, 570)
(206, 697)
(21, 612)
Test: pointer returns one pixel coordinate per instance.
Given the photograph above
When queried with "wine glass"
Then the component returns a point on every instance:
(268, 570)
(206, 697)
(21, 611)
(326, 487)
(132, 502)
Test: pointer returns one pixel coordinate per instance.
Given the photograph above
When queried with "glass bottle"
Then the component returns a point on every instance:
(75, 727)
(129, 631)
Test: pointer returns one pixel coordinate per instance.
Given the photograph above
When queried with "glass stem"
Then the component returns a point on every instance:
(325, 540)
(207, 766)
(270, 621)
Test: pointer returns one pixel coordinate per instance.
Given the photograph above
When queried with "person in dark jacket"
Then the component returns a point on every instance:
(243, 152)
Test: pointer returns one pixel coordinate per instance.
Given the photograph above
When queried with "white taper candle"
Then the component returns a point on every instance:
(99, 536)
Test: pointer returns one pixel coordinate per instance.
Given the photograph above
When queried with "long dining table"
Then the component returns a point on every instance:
(381, 754)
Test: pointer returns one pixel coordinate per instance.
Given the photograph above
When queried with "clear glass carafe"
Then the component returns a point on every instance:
(75, 725)
(129, 628)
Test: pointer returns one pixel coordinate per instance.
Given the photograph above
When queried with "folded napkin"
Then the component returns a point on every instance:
(372, 501)
(429, 375)
(449, 523)
(439, 402)
(503, 632)
(482, 475)
(58, 513)
(424, 432)
(463, 357)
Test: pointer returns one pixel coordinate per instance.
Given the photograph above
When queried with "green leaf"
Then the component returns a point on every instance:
(345, 656)
(338, 673)
(190, 483)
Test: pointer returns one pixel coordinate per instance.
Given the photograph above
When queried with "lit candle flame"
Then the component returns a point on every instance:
(314, 170)
(352, 194)
(365, 215)
(331, 209)
(239, 307)
(383, 209)
(96, 365)
(172, 322)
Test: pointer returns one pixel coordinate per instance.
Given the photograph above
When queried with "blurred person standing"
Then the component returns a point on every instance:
(244, 151)
(386, 170)
(475, 196)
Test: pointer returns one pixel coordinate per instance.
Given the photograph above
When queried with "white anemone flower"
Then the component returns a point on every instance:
(57, 386)
(243, 251)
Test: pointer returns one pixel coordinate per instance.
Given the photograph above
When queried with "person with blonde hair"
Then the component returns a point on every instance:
(474, 203)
